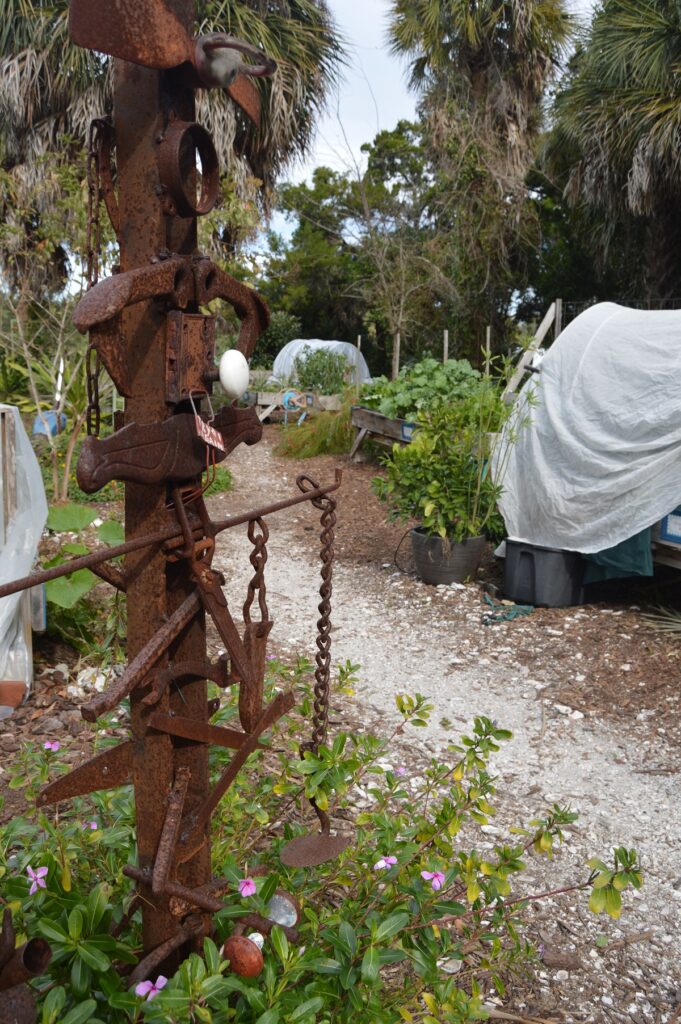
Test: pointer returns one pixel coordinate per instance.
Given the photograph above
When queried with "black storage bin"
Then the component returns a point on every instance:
(543, 576)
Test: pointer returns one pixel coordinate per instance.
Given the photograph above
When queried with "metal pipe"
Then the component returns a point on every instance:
(169, 533)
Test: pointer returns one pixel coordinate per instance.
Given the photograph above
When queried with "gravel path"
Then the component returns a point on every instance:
(623, 778)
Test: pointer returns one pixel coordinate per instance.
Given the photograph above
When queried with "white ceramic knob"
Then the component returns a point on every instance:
(234, 373)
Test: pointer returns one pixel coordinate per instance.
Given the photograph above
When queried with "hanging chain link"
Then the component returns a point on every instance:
(322, 687)
(258, 560)
(96, 136)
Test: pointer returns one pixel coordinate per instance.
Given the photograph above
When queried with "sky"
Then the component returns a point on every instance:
(373, 92)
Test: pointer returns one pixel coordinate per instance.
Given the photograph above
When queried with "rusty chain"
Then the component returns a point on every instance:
(258, 559)
(322, 687)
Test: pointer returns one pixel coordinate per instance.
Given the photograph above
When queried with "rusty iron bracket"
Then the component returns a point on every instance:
(198, 732)
(217, 672)
(213, 283)
(170, 451)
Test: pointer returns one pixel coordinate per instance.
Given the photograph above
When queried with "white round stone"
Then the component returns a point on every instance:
(234, 373)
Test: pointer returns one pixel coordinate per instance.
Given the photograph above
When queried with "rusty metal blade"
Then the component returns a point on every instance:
(251, 691)
(247, 97)
(202, 732)
(142, 31)
(111, 768)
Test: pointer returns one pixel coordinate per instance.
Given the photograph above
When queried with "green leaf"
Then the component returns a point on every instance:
(81, 977)
(111, 532)
(613, 902)
(96, 907)
(268, 1017)
(53, 1005)
(309, 1006)
(370, 965)
(348, 936)
(75, 924)
(80, 1014)
(75, 549)
(391, 926)
(70, 518)
(597, 901)
(68, 590)
(325, 965)
(94, 957)
(280, 943)
(211, 956)
(53, 931)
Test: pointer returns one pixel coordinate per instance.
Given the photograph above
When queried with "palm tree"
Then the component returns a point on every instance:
(481, 68)
(619, 119)
(50, 88)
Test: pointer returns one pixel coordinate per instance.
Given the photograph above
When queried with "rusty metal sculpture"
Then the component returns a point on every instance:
(147, 329)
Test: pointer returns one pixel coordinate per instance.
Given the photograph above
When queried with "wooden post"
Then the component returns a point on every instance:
(396, 355)
(445, 346)
(488, 350)
(559, 318)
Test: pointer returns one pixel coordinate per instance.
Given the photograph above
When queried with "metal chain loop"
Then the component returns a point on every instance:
(322, 687)
(258, 560)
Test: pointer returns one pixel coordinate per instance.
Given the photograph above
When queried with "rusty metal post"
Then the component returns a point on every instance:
(145, 101)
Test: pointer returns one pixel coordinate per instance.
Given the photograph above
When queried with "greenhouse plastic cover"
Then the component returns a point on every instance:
(283, 369)
(23, 532)
(598, 451)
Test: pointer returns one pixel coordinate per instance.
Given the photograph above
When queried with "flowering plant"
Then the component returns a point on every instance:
(408, 895)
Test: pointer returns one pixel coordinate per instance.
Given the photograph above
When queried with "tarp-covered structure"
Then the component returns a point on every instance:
(284, 368)
(596, 457)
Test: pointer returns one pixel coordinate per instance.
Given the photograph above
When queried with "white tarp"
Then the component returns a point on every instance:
(283, 370)
(598, 456)
(22, 534)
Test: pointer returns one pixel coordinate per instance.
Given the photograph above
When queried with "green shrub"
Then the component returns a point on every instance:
(411, 923)
(284, 327)
(321, 371)
(420, 388)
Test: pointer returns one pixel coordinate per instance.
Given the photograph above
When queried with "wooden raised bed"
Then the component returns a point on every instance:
(383, 429)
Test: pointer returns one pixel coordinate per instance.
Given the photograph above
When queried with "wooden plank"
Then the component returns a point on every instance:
(527, 355)
(361, 435)
(377, 423)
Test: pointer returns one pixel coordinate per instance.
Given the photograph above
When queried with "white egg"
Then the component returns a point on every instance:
(234, 373)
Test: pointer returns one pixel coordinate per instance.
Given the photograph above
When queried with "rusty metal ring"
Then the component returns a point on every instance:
(182, 137)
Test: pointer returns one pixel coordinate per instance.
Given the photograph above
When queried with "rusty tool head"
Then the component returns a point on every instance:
(316, 847)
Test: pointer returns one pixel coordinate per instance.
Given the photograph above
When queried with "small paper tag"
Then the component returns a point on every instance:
(209, 434)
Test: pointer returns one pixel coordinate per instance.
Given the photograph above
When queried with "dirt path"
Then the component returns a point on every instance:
(590, 694)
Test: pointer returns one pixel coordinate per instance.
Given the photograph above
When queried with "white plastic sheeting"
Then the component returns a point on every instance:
(283, 369)
(598, 456)
(22, 533)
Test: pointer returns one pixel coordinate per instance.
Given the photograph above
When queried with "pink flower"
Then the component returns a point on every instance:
(246, 887)
(151, 988)
(37, 879)
(401, 770)
(385, 863)
(90, 824)
(436, 878)
(52, 745)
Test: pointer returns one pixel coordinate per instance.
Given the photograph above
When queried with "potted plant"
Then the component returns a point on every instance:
(443, 479)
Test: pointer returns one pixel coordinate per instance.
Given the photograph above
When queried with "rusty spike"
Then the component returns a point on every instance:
(200, 732)
(140, 667)
(107, 770)
(168, 840)
(192, 829)
(251, 692)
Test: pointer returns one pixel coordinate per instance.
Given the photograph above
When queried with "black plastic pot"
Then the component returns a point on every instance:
(449, 561)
